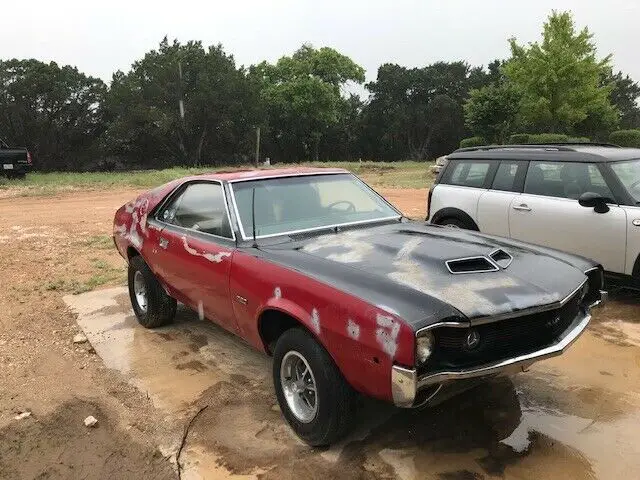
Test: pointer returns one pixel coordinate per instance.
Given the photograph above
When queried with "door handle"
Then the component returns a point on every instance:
(524, 207)
(164, 243)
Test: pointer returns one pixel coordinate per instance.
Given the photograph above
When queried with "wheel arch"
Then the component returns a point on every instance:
(452, 212)
(274, 321)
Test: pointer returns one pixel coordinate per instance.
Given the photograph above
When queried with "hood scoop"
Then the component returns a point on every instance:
(502, 258)
(479, 264)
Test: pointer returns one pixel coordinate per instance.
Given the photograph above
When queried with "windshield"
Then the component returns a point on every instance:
(295, 204)
(629, 174)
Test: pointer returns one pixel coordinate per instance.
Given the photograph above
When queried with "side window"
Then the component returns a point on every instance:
(200, 207)
(565, 180)
(466, 173)
(506, 177)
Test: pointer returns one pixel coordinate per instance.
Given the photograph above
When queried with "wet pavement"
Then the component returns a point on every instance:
(573, 417)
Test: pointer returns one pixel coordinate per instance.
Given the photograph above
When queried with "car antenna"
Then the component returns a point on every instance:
(253, 214)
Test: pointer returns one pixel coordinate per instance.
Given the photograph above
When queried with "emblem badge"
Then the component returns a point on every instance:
(473, 339)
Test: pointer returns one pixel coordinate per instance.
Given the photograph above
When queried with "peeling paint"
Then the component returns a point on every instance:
(387, 334)
(315, 320)
(200, 310)
(214, 258)
(353, 329)
(277, 293)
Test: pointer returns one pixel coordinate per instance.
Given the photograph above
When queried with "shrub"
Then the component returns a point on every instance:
(626, 138)
(472, 142)
(579, 140)
(519, 139)
(548, 138)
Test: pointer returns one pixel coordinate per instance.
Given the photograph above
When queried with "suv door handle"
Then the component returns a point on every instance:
(164, 243)
(523, 206)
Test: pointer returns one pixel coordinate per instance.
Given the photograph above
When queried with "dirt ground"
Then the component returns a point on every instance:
(575, 416)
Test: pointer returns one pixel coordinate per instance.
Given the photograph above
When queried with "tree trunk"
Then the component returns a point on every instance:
(200, 145)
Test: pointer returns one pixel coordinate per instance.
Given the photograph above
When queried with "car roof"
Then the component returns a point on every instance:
(260, 173)
(556, 152)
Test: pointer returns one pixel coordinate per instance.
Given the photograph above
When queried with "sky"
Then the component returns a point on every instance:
(102, 37)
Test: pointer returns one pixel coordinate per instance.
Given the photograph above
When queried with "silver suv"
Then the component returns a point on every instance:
(580, 198)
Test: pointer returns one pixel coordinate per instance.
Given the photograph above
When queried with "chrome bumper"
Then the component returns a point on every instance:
(405, 383)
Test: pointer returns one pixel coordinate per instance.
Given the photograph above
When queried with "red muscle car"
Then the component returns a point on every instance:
(315, 268)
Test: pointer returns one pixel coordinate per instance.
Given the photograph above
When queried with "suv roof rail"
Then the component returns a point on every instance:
(561, 147)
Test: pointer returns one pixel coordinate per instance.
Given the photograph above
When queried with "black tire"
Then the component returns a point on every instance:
(454, 223)
(16, 175)
(161, 308)
(335, 397)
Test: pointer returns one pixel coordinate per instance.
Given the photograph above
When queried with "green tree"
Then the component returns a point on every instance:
(491, 111)
(54, 111)
(145, 112)
(559, 78)
(624, 96)
(399, 122)
(302, 98)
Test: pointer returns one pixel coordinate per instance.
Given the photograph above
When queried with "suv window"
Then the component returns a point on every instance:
(466, 173)
(507, 177)
(565, 180)
(200, 207)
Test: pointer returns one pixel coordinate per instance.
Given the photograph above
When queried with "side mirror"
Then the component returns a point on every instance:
(595, 201)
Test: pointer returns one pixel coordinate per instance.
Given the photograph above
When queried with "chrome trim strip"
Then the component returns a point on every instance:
(476, 257)
(578, 327)
(452, 324)
(285, 175)
(304, 230)
(184, 186)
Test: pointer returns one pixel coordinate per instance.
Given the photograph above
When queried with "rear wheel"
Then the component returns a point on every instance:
(151, 304)
(454, 223)
(314, 397)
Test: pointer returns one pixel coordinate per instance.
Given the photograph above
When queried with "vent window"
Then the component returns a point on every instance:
(471, 265)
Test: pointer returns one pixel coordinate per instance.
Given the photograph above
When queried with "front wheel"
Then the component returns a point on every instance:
(151, 304)
(314, 397)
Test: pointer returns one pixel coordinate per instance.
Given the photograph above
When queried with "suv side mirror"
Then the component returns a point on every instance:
(595, 201)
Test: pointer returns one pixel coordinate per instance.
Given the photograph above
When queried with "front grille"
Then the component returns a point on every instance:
(503, 339)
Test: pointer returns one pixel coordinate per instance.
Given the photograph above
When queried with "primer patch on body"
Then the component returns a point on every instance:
(353, 329)
(345, 248)
(277, 293)
(200, 310)
(387, 334)
(214, 258)
(465, 293)
(315, 320)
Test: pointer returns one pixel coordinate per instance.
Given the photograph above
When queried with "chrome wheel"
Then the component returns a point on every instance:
(140, 290)
(299, 386)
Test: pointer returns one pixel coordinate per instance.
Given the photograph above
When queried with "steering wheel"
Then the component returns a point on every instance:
(350, 206)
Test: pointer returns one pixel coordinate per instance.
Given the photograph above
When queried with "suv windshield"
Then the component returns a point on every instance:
(629, 174)
(294, 204)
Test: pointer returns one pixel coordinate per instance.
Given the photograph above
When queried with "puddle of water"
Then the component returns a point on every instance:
(564, 419)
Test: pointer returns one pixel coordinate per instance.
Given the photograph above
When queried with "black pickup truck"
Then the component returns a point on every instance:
(14, 162)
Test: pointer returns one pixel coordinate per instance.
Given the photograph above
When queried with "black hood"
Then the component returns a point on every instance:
(402, 267)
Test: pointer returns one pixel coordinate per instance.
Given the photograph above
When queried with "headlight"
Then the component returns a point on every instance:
(424, 347)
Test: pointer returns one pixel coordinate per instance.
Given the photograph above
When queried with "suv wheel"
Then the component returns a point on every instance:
(453, 223)
(314, 397)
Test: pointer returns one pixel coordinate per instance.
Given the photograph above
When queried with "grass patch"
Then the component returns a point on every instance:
(408, 174)
(101, 242)
(105, 274)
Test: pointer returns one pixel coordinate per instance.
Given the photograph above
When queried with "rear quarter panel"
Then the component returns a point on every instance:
(452, 196)
(363, 340)
(130, 226)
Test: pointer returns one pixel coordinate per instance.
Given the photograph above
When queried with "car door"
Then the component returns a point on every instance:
(548, 213)
(494, 204)
(198, 245)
